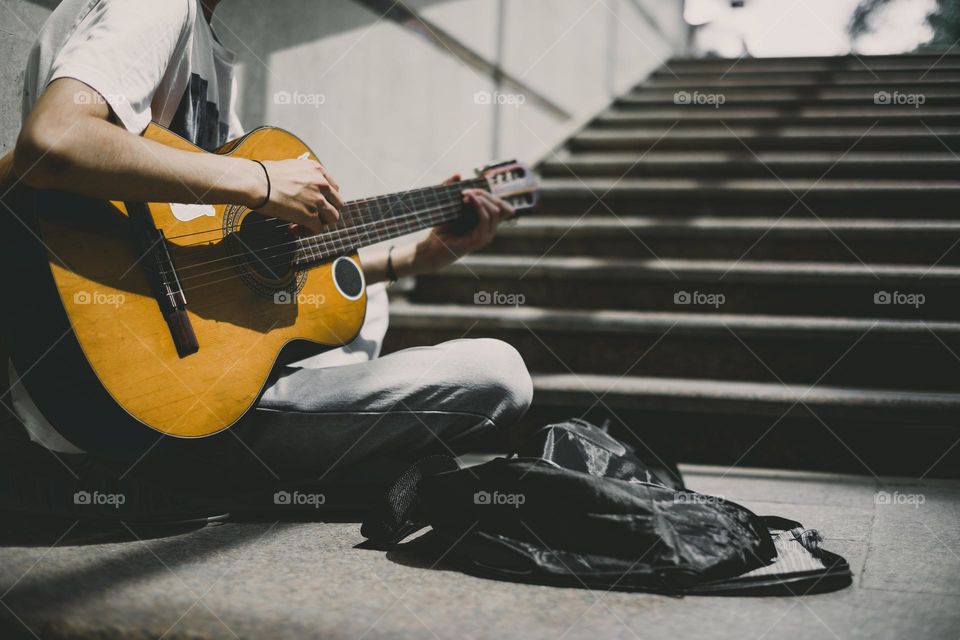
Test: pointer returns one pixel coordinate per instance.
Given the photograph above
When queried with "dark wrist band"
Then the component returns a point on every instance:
(391, 273)
(266, 173)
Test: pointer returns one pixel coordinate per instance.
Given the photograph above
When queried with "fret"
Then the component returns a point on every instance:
(370, 220)
(306, 252)
(336, 227)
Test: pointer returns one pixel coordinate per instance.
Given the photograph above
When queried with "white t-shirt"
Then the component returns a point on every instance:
(153, 60)
(149, 60)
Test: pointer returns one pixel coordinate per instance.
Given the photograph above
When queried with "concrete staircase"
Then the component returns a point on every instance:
(774, 280)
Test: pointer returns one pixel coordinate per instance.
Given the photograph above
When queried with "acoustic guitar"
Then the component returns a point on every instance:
(171, 316)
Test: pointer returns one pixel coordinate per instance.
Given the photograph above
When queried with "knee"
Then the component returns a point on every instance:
(499, 379)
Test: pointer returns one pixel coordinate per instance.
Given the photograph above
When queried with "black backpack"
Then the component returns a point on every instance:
(574, 506)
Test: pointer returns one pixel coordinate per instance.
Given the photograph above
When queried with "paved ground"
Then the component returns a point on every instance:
(295, 580)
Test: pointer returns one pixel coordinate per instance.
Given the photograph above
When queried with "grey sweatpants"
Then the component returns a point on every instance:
(325, 423)
(344, 412)
(340, 432)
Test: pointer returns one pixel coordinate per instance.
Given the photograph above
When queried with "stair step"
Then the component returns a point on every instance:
(745, 138)
(769, 399)
(830, 351)
(764, 164)
(835, 240)
(889, 80)
(760, 66)
(747, 286)
(685, 116)
(763, 195)
(676, 186)
(857, 430)
(793, 96)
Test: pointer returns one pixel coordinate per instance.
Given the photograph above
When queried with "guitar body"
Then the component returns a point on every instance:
(141, 328)
(116, 346)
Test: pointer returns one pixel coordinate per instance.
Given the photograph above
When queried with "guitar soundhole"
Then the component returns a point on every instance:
(263, 252)
(266, 249)
(348, 278)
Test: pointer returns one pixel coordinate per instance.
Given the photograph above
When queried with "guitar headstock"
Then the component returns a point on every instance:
(514, 182)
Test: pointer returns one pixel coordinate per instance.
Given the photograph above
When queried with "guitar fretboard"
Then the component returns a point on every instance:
(371, 220)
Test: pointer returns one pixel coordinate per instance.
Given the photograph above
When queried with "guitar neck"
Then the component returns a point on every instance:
(371, 220)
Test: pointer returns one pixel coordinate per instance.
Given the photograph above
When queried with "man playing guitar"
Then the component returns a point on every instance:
(100, 72)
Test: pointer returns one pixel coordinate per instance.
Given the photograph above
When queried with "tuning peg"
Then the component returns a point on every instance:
(494, 165)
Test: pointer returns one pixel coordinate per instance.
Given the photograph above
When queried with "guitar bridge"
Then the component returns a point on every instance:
(162, 274)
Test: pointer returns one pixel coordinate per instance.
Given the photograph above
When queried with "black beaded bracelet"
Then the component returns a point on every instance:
(266, 173)
(391, 274)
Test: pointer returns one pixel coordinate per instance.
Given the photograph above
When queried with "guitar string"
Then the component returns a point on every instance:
(344, 233)
(233, 276)
(317, 247)
(246, 258)
(362, 204)
(320, 246)
(321, 240)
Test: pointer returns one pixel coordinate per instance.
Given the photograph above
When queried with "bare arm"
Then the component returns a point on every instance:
(443, 245)
(68, 142)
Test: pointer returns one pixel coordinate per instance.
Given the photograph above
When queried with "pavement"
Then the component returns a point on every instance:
(277, 580)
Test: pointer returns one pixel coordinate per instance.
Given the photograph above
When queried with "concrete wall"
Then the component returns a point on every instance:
(385, 106)
(19, 23)
(399, 110)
